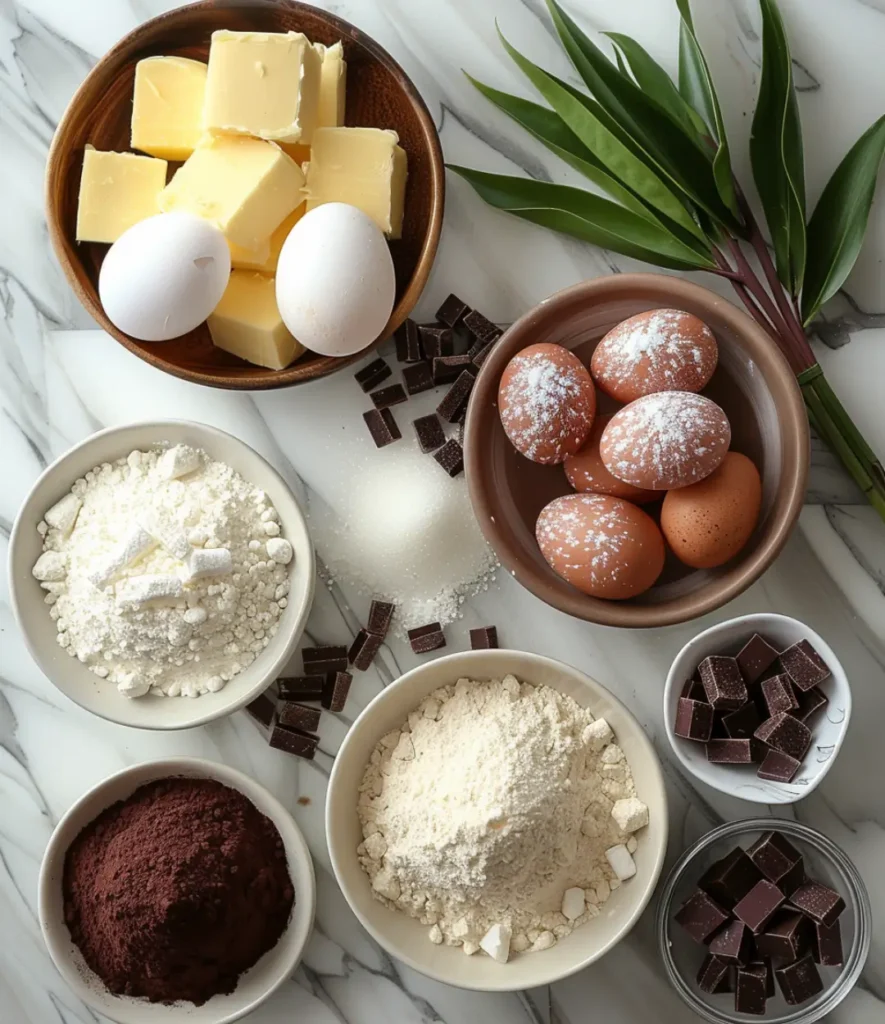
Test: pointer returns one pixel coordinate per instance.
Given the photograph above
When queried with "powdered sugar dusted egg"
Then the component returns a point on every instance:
(665, 440)
(547, 402)
(604, 546)
(586, 471)
(659, 350)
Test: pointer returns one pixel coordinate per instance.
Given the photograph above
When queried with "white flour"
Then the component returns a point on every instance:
(490, 804)
(165, 572)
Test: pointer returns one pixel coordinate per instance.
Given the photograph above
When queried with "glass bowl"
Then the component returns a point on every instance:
(824, 861)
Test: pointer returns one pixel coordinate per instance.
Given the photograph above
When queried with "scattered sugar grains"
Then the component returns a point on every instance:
(403, 530)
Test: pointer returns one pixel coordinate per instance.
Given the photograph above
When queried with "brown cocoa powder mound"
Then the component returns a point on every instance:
(173, 893)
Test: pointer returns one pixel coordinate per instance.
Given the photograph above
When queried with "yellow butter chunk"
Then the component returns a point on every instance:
(266, 256)
(247, 322)
(262, 83)
(167, 106)
(364, 167)
(117, 190)
(333, 86)
(245, 186)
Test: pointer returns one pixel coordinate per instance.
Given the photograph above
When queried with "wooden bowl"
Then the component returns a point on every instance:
(379, 94)
(752, 383)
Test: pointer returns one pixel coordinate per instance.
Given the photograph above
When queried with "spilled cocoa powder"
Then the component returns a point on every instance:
(176, 891)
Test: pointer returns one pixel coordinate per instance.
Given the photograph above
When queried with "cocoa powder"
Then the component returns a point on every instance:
(173, 893)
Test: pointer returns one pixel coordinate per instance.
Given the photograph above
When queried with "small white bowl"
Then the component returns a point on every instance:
(406, 938)
(256, 984)
(73, 678)
(828, 726)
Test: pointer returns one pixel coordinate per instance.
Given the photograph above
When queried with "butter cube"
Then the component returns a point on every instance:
(333, 86)
(245, 186)
(262, 83)
(364, 167)
(247, 322)
(265, 257)
(117, 190)
(167, 106)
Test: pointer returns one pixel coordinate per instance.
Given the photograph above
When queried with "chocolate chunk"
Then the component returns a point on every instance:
(714, 973)
(723, 683)
(436, 341)
(262, 708)
(300, 688)
(778, 767)
(484, 639)
(809, 701)
(380, 616)
(382, 426)
(371, 376)
(426, 638)
(408, 343)
(293, 741)
(733, 943)
(298, 716)
(804, 665)
(826, 944)
(720, 751)
(386, 397)
(481, 328)
(452, 311)
(320, 661)
(461, 432)
(453, 407)
(730, 879)
(701, 916)
(818, 901)
(335, 690)
(787, 936)
(755, 658)
(482, 352)
(448, 368)
(778, 860)
(751, 989)
(799, 980)
(777, 692)
(417, 378)
(787, 734)
(451, 457)
(694, 690)
(741, 724)
(430, 432)
(363, 649)
(694, 720)
(757, 908)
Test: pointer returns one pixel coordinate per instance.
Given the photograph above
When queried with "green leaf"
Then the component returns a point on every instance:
(776, 152)
(837, 226)
(585, 216)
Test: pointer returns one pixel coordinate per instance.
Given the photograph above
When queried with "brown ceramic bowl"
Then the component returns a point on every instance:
(753, 384)
(379, 94)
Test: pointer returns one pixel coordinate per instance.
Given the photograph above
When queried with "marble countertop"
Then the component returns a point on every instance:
(61, 381)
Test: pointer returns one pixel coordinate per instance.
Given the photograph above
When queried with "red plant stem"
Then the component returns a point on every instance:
(753, 309)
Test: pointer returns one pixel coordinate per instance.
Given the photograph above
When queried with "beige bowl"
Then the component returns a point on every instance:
(404, 937)
(256, 984)
(39, 631)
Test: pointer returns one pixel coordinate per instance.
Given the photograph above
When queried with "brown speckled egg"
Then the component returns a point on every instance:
(585, 471)
(708, 523)
(604, 546)
(547, 402)
(665, 440)
(659, 350)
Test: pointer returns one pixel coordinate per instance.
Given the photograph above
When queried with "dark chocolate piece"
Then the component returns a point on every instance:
(484, 639)
(730, 879)
(363, 649)
(293, 741)
(430, 432)
(262, 708)
(777, 692)
(826, 944)
(408, 343)
(694, 690)
(436, 341)
(787, 936)
(785, 733)
(426, 638)
(380, 616)
(728, 751)
(323, 652)
(384, 398)
(723, 683)
(320, 661)
(452, 311)
(371, 376)
(751, 989)
(757, 908)
(733, 943)
(799, 980)
(778, 860)
(713, 973)
(481, 328)
(818, 901)
(461, 432)
(382, 426)
(453, 407)
(300, 688)
(755, 658)
(810, 701)
(741, 724)
(335, 690)
(694, 720)
(482, 353)
(701, 916)
(778, 767)
(804, 665)
(298, 716)
(451, 457)
(447, 368)
(417, 378)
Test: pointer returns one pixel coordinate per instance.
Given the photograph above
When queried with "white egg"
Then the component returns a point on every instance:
(164, 276)
(335, 281)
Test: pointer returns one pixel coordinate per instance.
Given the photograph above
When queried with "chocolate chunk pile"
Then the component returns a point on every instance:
(754, 708)
(763, 920)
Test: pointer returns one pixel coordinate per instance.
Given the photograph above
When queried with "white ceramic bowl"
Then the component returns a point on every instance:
(828, 726)
(74, 679)
(256, 984)
(404, 937)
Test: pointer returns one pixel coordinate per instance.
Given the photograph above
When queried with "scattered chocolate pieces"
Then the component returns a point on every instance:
(426, 638)
(721, 751)
(482, 353)
(453, 407)
(451, 457)
(320, 661)
(722, 681)
(262, 709)
(481, 328)
(804, 665)
(363, 649)
(799, 980)
(755, 658)
(826, 944)
(778, 767)
(300, 688)
(694, 720)
(818, 901)
(777, 692)
(386, 397)
(436, 341)
(371, 376)
(452, 311)
(484, 638)
(382, 426)
(417, 378)
(785, 733)
(408, 343)
(380, 617)
(730, 879)
(335, 690)
(293, 741)
(298, 716)
(430, 432)
(448, 368)
(701, 916)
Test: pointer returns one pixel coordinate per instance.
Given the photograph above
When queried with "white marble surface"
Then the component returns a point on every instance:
(58, 386)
